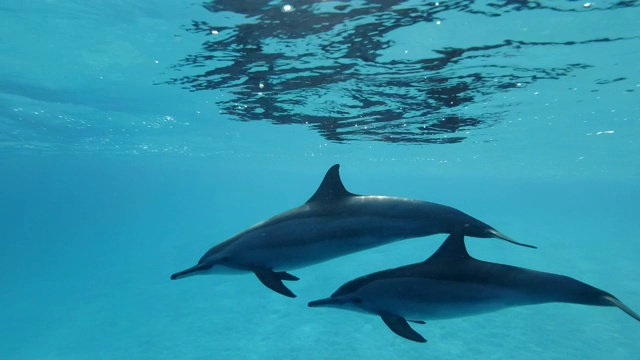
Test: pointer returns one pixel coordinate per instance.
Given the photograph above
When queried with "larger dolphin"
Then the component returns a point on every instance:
(452, 284)
(334, 222)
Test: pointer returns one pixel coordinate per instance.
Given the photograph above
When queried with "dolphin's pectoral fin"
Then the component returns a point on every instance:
(622, 306)
(273, 280)
(401, 327)
(421, 322)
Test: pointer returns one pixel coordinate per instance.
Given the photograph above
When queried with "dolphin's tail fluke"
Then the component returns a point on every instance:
(498, 234)
(623, 307)
(190, 271)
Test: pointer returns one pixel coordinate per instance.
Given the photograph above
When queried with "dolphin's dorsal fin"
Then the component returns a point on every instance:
(452, 248)
(331, 187)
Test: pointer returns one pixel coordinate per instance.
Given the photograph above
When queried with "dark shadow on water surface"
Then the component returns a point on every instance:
(333, 67)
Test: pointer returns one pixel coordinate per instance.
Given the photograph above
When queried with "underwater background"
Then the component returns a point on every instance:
(136, 135)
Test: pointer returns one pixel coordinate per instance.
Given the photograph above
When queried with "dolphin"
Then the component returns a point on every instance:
(332, 223)
(452, 284)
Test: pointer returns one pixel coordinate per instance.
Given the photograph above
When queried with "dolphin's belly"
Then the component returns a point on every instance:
(426, 299)
(302, 242)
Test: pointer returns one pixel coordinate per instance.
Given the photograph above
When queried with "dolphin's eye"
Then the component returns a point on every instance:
(225, 259)
(357, 301)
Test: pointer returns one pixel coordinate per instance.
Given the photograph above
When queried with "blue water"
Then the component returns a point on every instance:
(111, 180)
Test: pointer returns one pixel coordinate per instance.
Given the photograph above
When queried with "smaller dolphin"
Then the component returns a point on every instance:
(452, 284)
(334, 222)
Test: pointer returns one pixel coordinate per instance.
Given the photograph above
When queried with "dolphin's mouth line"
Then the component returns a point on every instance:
(319, 303)
(504, 237)
(191, 270)
(326, 302)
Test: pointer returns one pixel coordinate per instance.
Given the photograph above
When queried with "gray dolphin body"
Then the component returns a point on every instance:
(333, 223)
(452, 284)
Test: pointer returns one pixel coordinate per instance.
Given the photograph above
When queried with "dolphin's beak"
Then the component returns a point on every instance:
(331, 302)
(498, 234)
(191, 271)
